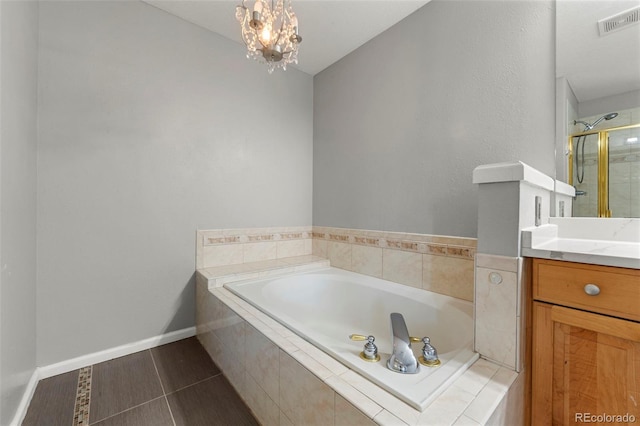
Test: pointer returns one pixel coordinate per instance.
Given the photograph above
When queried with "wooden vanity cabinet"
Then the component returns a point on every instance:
(585, 348)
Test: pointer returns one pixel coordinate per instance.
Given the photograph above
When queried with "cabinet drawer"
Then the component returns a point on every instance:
(564, 283)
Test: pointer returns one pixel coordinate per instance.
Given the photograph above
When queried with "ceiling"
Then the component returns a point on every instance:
(330, 29)
(596, 66)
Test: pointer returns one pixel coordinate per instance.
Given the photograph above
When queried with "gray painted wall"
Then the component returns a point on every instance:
(18, 140)
(400, 123)
(618, 102)
(150, 128)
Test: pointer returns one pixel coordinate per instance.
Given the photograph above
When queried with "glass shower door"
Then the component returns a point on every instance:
(624, 172)
(604, 167)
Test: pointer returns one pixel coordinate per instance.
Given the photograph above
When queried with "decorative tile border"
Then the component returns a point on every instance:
(209, 241)
(83, 395)
(419, 243)
(341, 238)
(367, 241)
(222, 247)
(241, 236)
(437, 249)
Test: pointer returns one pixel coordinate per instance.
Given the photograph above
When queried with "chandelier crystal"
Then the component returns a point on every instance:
(270, 31)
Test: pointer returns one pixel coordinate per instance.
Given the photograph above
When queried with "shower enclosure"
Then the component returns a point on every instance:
(604, 167)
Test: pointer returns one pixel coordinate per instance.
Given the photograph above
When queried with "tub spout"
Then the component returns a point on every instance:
(402, 359)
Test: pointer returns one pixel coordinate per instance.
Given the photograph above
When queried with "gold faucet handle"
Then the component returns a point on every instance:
(415, 339)
(358, 337)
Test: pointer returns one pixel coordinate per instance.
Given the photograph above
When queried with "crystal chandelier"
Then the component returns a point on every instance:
(270, 32)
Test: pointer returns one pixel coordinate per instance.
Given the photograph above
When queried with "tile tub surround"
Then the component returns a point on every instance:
(286, 380)
(499, 318)
(222, 247)
(436, 263)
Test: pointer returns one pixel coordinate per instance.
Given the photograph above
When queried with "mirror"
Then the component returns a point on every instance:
(597, 75)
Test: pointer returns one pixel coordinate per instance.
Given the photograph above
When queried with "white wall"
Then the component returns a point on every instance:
(150, 128)
(18, 137)
(400, 123)
(609, 104)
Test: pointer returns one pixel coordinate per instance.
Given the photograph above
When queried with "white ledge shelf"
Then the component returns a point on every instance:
(220, 275)
(512, 172)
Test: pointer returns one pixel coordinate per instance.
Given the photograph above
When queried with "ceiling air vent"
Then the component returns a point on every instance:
(619, 21)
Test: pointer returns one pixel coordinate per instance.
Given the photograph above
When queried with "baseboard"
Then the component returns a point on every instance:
(26, 399)
(90, 359)
(107, 354)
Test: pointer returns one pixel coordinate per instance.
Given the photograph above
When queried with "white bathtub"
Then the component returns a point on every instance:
(327, 305)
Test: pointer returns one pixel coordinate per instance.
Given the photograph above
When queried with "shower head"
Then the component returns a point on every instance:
(604, 117)
(588, 126)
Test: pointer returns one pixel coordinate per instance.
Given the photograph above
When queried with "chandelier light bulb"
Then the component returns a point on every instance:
(270, 32)
(265, 37)
(257, 7)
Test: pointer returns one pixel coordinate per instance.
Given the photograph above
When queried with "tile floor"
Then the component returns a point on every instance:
(174, 384)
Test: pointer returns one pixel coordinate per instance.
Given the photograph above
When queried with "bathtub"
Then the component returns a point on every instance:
(325, 306)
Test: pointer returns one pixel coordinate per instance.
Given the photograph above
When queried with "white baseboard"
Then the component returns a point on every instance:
(111, 353)
(94, 358)
(26, 399)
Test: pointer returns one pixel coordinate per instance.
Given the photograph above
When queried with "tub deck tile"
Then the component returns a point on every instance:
(447, 408)
(231, 303)
(274, 325)
(222, 274)
(312, 365)
(264, 408)
(390, 403)
(477, 376)
(348, 415)
(331, 364)
(252, 310)
(465, 421)
(304, 398)
(482, 407)
(385, 418)
(357, 398)
(282, 342)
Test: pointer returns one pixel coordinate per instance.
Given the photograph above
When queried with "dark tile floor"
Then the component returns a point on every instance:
(174, 384)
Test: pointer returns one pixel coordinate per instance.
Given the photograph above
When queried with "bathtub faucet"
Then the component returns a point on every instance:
(402, 359)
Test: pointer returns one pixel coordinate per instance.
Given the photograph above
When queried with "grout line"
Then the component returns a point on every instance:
(164, 394)
(83, 397)
(155, 367)
(170, 412)
(128, 409)
(196, 383)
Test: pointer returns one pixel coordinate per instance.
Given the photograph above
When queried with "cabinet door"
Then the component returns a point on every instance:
(586, 368)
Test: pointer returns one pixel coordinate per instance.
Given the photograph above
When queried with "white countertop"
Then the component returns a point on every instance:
(609, 242)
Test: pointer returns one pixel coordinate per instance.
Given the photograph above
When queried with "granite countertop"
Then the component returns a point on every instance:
(609, 242)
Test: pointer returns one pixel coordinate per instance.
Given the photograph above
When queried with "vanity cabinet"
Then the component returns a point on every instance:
(585, 345)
